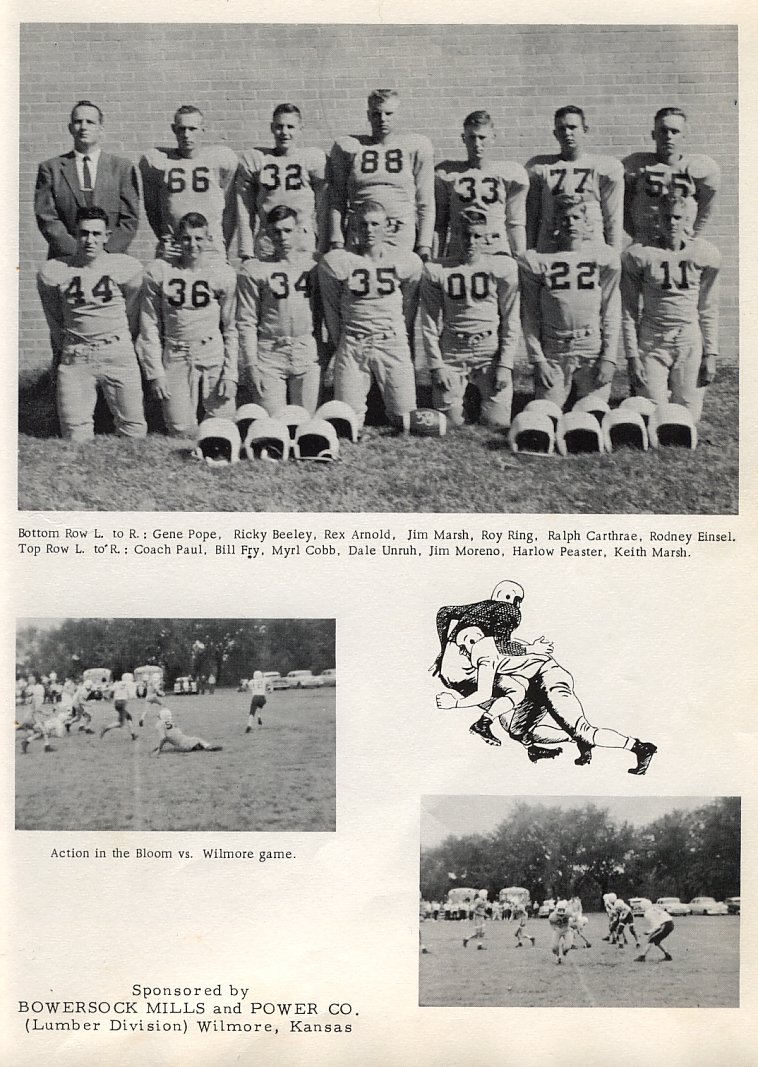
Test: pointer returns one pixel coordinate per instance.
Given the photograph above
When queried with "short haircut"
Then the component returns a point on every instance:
(87, 103)
(677, 199)
(471, 217)
(279, 213)
(566, 201)
(188, 109)
(380, 96)
(478, 118)
(369, 206)
(569, 109)
(84, 214)
(663, 112)
(193, 220)
(287, 109)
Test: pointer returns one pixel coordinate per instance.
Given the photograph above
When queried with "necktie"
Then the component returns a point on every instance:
(87, 189)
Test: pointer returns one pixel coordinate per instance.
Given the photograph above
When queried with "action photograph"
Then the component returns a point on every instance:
(579, 902)
(175, 724)
(345, 268)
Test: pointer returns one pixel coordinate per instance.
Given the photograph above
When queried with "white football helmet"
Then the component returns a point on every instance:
(509, 591)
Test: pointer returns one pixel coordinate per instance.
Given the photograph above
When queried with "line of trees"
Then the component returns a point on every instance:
(554, 851)
(229, 648)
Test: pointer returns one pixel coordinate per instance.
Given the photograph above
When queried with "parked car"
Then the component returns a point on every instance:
(275, 680)
(546, 907)
(708, 906)
(733, 905)
(304, 680)
(639, 905)
(329, 677)
(185, 686)
(674, 906)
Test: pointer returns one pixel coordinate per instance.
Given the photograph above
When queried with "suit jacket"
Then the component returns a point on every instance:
(58, 196)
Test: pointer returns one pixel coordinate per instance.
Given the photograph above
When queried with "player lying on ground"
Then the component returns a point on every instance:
(171, 734)
(661, 925)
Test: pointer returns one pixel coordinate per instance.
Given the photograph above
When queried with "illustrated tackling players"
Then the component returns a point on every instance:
(479, 915)
(276, 309)
(560, 920)
(91, 303)
(369, 299)
(660, 926)
(498, 189)
(122, 690)
(672, 342)
(193, 177)
(257, 686)
(392, 168)
(172, 735)
(670, 170)
(470, 325)
(597, 181)
(571, 309)
(288, 174)
(188, 333)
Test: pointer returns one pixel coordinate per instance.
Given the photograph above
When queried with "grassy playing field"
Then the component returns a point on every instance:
(280, 777)
(704, 972)
(470, 470)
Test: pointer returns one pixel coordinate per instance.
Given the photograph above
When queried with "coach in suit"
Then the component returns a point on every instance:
(86, 177)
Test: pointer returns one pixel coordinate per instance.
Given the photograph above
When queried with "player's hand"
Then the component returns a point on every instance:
(335, 245)
(637, 374)
(707, 373)
(226, 390)
(445, 377)
(327, 375)
(160, 389)
(446, 701)
(541, 646)
(500, 378)
(255, 380)
(605, 371)
(545, 374)
(424, 253)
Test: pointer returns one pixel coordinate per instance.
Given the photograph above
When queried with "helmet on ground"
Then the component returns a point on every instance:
(316, 439)
(579, 431)
(545, 407)
(267, 439)
(532, 432)
(671, 425)
(624, 427)
(341, 416)
(218, 442)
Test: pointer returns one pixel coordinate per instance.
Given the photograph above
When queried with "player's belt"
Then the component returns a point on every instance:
(369, 335)
(83, 350)
(677, 334)
(288, 342)
(470, 340)
(187, 346)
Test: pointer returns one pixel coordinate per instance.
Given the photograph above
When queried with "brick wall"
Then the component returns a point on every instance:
(236, 74)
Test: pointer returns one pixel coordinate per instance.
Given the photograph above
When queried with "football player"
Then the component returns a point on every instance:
(288, 174)
(188, 334)
(276, 309)
(571, 309)
(257, 686)
(171, 734)
(609, 900)
(577, 922)
(624, 920)
(79, 712)
(598, 181)
(651, 176)
(386, 166)
(560, 920)
(498, 189)
(91, 303)
(470, 325)
(479, 915)
(660, 926)
(121, 693)
(520, 916)
(193, 177)
(672, 341)
(369, 299)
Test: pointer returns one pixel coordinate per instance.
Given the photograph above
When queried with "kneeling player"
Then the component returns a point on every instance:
(188, 335)
(470, 325)
(172, 735)
(661, 925)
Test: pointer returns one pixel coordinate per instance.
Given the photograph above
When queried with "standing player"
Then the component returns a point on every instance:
(624, 920)
(479, 914)
(288, 174)
(33, 721)
(661, 925)
(171, 734)
(498, 189)
(577, 922)
(80, 713)
(560, 920)
(276, 314)
(672, 343)
(392, 168)
(572, 309)
(598, 181)
(191, 177)
(470, 324)
(609, 900)
(121, 692)
(670, 170)
(91, 303)
(188, 334)
(370, 298)
(520, 915)
(257, 686)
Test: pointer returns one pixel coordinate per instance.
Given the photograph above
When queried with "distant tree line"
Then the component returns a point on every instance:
(558, 852)
(229, 648)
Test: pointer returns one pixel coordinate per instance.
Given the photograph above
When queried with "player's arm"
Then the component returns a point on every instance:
(533, 208)
(430, 317)
(245, 192)
(631, 293)
(52, 305)
(149, 344)
(609, 268)
(706, 188)
(409, 287)
(248, 317)
(509, 327)
(151, 191)
(337, 171)
(516, 195)
(423, 172)
(226, 294)
(442, 192)
(330, 287)
(485, 680)
(708, 317)
(128, 210)
(317, 178)
(49, 221)
(132, 289)
(324, 347)
(612, 203)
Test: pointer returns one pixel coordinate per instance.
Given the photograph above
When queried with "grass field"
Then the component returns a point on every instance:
(470, 470)
(279, 777)
(704, 972)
